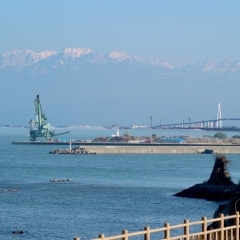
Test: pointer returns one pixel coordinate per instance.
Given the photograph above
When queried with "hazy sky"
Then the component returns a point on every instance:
(178, 31)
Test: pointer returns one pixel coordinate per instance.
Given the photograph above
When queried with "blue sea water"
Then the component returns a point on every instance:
(107, 194)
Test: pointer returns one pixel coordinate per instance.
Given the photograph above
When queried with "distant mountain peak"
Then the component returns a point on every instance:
(211, 66)
(75, 52)
(159, 62)
(119, 56)
(46, 53)
(22, 57)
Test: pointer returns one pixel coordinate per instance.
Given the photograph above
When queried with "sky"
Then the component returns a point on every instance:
(177, 31)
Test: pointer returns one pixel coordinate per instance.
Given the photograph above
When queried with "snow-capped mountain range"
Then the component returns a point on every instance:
(24, 58)
(209, 65)
(75, 58)
(82, 86)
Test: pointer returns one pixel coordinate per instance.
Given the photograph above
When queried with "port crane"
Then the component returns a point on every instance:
(38, 127)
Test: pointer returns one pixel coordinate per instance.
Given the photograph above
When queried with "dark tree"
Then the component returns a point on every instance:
(220, 135)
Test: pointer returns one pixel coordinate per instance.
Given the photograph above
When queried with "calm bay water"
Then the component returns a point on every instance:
(108, 193)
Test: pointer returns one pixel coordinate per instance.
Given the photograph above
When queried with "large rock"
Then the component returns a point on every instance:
(218, 187)
(220, 174)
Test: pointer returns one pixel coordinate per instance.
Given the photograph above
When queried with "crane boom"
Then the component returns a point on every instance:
(40, 117)
(38, 127)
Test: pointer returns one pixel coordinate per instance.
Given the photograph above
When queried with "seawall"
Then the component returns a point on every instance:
(160, 149)
(146, 148)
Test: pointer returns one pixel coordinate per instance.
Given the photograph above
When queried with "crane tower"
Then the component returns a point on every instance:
(38, 127)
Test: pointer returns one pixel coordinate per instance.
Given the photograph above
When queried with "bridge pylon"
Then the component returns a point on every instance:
(219, 116)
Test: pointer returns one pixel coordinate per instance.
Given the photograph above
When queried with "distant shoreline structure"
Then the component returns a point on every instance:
(140, 148)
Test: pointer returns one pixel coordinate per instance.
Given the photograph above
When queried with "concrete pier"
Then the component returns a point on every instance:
(161, 149)
(142, 148)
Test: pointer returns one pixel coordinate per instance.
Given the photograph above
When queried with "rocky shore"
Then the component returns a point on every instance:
(210, 192)
(219, 187)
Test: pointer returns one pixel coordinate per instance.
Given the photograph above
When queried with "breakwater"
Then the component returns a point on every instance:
(141, 148)
(160, 149)
(75, 150)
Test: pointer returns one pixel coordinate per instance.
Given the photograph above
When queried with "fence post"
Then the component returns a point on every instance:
(236, 222)
(102, 236)
(221, 223)
(125, 232)
(167, 231)
(147, 234)
(204, 227)
(186, 229)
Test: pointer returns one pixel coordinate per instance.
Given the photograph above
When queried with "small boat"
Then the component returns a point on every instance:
(207, 151)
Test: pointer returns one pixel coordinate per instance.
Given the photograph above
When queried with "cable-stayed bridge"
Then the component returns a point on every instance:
(210, 125)
(214, 124)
